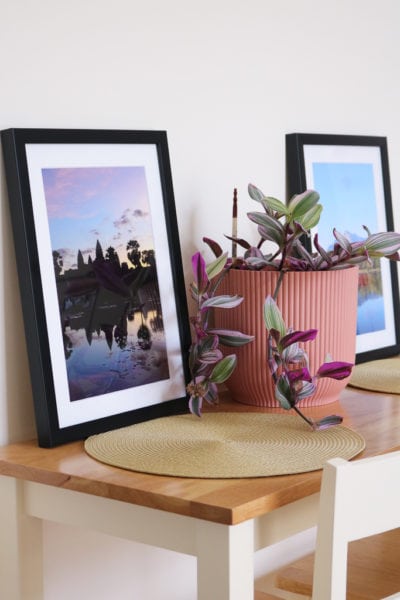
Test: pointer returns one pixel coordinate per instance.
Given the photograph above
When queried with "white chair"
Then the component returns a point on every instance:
(358, 499)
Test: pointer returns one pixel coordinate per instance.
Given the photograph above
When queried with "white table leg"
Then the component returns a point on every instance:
(225, 565)
(21, 552)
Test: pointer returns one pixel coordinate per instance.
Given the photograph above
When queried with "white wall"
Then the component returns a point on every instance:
(227, 79)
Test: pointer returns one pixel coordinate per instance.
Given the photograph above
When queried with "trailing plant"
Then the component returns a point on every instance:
(287, 228)
(208, 366)
(288, 364)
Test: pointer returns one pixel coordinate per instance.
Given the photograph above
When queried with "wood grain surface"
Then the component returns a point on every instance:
(228, 501)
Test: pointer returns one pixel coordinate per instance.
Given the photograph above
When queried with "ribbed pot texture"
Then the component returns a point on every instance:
(323, 300)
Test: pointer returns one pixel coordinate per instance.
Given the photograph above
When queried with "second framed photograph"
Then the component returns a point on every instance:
(101, 278)
(351, 174)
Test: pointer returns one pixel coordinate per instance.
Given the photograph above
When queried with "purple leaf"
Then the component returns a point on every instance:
(239, 241)
(335, 370)
(200, 273)
(302, 374)
(254, 252)
(298, 336)
(257, 262)
(297, 264)
(215, 247)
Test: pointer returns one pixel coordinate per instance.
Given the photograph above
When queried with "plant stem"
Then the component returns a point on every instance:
(278, 284)
(308, 421)
(222, 275)
(270, 359)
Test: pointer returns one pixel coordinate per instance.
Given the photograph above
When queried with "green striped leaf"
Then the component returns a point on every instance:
(273, 317)
(224, 369)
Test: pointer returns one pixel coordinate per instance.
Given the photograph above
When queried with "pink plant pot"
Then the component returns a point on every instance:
(323, 300)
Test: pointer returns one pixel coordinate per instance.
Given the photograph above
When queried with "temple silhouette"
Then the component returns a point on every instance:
(103, 294)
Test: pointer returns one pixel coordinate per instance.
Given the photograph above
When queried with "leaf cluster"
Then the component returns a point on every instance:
(288, 226)
(288, 364)
(208, 365)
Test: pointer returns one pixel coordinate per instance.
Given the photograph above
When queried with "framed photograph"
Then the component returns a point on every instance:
(351, 174)
(101, 277)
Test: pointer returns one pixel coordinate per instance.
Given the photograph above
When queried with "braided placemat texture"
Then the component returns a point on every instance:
(378, 375)
(223, 445)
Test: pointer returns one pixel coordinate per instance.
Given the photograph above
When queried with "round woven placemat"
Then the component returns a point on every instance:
(381, 375)
(223, 445)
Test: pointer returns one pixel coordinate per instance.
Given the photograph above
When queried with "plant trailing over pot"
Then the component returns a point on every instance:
(286, 227)
(288, 364)
(208, 365)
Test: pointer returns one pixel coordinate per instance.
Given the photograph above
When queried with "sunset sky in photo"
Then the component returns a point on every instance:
(90, 204)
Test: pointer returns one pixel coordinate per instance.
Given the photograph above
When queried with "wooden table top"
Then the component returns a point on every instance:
(228, 501)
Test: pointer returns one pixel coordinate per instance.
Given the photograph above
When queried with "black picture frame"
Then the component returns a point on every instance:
(123, 318)
(354, 168)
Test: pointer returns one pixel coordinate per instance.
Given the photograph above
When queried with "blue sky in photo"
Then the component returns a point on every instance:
(348, 197)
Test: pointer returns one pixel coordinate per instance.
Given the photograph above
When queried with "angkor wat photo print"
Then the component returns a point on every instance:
(106, 277)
